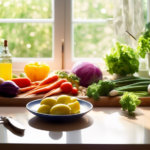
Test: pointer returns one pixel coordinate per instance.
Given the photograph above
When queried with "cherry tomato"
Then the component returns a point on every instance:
(74, 91)
(66, 87)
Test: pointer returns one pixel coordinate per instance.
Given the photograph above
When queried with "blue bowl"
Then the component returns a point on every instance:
(85, 107)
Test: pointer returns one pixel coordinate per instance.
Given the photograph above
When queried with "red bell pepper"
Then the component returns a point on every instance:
(22, 82)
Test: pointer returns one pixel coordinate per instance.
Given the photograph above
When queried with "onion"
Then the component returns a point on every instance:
(9, 89)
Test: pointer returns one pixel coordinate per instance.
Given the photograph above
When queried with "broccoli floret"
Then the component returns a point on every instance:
(72, 76)
(62, 74)
(101, 89)
(129, 101)
(105, 87)
(92, 91)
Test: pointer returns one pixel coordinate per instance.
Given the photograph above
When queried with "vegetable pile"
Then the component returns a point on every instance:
(130, 88)
(138, 85)
(122, 60)
(60, 82)
(84, 79)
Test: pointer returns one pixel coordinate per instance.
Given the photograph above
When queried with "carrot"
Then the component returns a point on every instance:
(54, 85)
(44, 83)
(49, 79)
(35, 83)
(37, 87)
(27, 88)
(52, 92)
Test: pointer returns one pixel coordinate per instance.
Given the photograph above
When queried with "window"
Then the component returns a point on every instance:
(89, 33)
(31, 28)
(35, 30)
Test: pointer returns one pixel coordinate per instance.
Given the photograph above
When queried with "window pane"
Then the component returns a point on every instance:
(37, 9)
(92, 40)
(92, 9)
(28, 39)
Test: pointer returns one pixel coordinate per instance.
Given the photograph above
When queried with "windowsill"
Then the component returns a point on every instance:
(141, 73)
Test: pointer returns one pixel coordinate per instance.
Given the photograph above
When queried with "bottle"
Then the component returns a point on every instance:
(5, 63)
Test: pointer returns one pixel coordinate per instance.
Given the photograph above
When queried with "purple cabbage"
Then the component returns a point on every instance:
(9, 89)
(87, 72)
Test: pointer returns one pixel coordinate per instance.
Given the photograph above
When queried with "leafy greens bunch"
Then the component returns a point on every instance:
(129, 101)
(102, 88)
(144, 42)
(122, 60)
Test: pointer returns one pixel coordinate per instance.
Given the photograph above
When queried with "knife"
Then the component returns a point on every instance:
(12, 122)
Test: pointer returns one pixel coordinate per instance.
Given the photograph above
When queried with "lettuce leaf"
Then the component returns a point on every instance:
(143, 46)
(122, 60)
(146, 33)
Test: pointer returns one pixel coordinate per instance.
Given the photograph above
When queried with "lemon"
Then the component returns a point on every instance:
(60, 109)
(49, 101)
(63, 99)
(44, 109)
(75, 107)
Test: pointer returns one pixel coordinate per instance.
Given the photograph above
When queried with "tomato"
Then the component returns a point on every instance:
(66, 87)
(74, 91)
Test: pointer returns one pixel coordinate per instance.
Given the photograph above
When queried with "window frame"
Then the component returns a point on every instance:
(148, 10)
(57, 21)
(62, 29)
(68, 58)
(69, 39)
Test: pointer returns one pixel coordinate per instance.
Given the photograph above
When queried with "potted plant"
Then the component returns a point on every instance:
(143, 48)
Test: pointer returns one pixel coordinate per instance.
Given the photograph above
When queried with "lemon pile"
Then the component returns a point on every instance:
(63, 105)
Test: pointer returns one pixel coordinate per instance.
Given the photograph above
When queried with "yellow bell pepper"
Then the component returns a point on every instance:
(37, 71)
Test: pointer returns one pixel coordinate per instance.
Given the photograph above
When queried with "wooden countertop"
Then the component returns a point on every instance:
(102, 127)
(104, 101)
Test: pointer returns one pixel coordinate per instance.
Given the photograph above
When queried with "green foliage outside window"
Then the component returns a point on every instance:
(35, 39)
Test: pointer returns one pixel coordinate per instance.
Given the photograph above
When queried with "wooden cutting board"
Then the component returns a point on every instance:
(104, 101)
